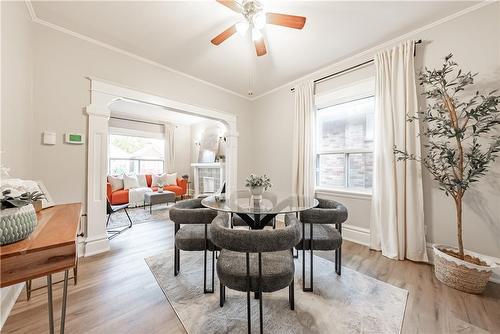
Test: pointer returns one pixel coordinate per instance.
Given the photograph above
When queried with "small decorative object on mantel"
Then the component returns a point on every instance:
(185, 177)
(460, 150)
(18, 216)
(257, 185)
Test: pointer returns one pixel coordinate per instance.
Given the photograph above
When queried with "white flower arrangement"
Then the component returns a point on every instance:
(254, 181)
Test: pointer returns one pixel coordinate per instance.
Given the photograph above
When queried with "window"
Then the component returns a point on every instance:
(135, 155)
(344, 140)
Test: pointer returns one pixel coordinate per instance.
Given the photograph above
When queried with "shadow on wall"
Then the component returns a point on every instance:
(477, 200)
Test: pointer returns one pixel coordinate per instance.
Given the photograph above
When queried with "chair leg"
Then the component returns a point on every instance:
(291, 295)
(205, 290)
(177, 253)
(222, 296)
(311, 247)
(213, 270)
(249, 315)
(261, 324)
(205, 271)
(130, 220)
(338, 253)
(175, 262)
(107, 221)
(338, 261)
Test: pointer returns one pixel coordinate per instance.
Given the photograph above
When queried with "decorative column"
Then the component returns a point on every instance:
(231, 158)
(96, 237)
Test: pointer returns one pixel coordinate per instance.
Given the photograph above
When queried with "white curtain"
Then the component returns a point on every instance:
(397, 224)
(303, 140)
(169, 147)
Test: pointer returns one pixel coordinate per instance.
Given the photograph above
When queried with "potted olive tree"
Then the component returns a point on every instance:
(461, 145)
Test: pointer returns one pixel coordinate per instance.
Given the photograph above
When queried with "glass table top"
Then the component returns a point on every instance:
(242, 202)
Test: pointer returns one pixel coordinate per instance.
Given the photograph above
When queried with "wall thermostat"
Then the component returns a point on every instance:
(74, 138)
(49, 138)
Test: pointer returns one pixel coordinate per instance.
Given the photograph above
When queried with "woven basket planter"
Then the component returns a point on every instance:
(16, 224)
(460, 274)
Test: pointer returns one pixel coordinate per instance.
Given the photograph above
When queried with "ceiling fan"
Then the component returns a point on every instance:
(255, 18)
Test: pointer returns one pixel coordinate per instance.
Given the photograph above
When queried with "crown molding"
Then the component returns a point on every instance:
(86, 38)
(318, 73)
(371, 51)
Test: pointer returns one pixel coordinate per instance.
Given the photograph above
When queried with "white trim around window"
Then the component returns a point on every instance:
(343, 193)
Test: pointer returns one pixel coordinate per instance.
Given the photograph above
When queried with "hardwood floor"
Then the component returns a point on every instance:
(116, 293)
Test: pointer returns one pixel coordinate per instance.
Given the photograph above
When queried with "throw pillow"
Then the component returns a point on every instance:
(157, 179)
(130, 182)
(141, 178)
(172, 179)
(116, 182)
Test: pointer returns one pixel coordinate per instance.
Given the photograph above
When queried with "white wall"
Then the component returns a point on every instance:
(16, 109)
(62, 63)
(17, 83)
(474, 38)
(182, 145)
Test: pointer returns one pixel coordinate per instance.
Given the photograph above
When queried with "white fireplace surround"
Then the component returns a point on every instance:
(198, 177)
(103, 94)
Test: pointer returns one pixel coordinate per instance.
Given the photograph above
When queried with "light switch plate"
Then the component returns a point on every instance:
(49, 138)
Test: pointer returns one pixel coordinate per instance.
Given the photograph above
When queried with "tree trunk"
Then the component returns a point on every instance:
(458, 204)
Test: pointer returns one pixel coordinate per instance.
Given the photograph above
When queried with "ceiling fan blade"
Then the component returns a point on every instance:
(224, 35)
(290, 21)
(231, 4)
(260, 47)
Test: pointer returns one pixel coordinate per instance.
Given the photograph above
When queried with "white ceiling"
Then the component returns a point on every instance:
(177, 34)
(130, 109)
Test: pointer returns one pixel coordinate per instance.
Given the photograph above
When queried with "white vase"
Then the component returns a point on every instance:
(257, 192)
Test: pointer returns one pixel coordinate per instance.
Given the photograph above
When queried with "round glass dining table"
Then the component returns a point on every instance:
(257, 213)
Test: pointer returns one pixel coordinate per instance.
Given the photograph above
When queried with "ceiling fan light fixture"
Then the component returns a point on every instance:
(242, 27)
(259, 20)
(256, 34)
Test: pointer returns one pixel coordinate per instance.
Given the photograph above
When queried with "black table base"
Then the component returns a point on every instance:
(258, 222)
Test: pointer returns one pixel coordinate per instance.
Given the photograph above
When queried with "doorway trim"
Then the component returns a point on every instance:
(103, 93)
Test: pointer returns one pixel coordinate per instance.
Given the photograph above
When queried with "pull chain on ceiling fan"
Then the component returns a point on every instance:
(256, 19)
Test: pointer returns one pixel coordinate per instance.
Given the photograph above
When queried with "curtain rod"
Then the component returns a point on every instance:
(326, 77)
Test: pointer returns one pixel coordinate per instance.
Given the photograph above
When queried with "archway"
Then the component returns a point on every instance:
(103, 94)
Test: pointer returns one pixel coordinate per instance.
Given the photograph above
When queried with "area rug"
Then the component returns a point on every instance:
(351, 303)
(139, 215)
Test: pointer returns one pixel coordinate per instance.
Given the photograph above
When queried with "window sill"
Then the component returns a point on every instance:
(343, 193)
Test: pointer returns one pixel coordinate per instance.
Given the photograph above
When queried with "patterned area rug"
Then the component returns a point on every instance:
(351, 303)
(139, 215)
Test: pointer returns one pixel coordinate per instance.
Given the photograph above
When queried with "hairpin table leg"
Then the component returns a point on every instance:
(50, 305)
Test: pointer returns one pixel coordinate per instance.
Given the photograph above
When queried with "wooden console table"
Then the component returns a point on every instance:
(51, 248)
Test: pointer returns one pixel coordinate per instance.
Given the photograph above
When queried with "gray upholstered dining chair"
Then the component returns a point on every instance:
(325, 227)
(255, 260)
(191, 233)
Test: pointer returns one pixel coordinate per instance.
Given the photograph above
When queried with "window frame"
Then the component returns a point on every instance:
(355, 91)
(115, 131)
(135, 159)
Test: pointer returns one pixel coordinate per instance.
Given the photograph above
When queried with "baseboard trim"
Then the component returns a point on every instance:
(356, 234)
(8, 299)
(96, 245)
(495, 277)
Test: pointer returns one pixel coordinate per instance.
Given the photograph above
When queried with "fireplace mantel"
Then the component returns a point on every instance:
(208, 164)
